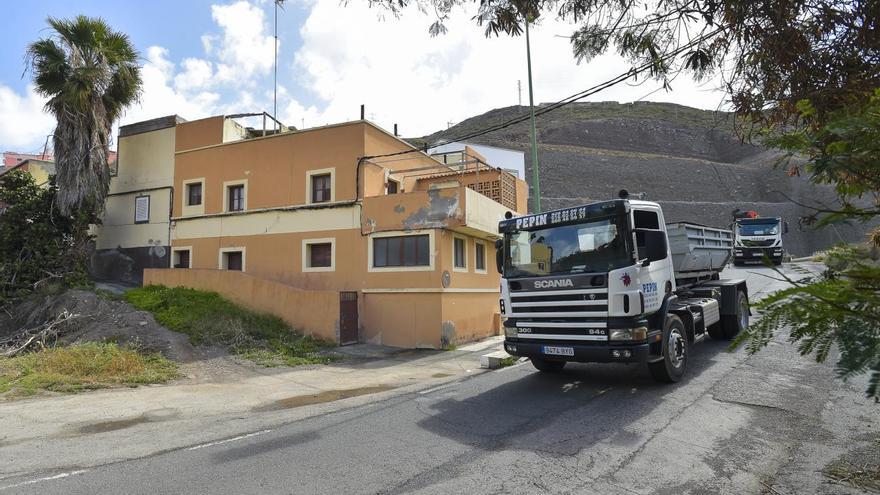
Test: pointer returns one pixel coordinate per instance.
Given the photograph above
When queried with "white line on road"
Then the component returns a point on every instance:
(48, 478)
(242, 437)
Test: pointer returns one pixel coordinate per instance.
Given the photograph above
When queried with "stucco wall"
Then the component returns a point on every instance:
(199, 133)
(145, 161)
(119, 230)
(310, 312)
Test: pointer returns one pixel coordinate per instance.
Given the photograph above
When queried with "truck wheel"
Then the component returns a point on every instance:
(731, 325)
(547, 366)
(716, 332)
(675, 353)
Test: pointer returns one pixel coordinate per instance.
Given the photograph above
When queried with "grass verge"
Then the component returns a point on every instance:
(82, 367)
(208, 318)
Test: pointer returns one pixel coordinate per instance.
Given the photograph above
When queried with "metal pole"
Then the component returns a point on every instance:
(536, 178)
(275, 67)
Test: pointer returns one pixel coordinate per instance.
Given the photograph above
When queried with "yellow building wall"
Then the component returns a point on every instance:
(145, 161)
(199, 133)
(119, 230)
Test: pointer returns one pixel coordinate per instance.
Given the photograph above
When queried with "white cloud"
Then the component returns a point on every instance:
(161, 97)
(349, 56)
(24, 125)
(245, 47)
(197, 74)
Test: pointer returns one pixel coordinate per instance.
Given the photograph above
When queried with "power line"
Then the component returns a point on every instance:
(570, 99)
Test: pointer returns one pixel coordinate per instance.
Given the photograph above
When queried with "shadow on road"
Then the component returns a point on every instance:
(598, 401)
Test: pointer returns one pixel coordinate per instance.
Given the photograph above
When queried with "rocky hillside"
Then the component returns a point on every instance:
(687, 159)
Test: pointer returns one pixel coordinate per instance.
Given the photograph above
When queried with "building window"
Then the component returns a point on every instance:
(479, 256)
(233, 260)
(142, 209)
(194, 194)
(319, 255)
(181, 258)
(321, 188)
(235, 196)
(401, 251)
(393, 186)
(459, 253)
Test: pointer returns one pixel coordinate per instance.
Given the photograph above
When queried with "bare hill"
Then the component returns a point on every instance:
(687, 159)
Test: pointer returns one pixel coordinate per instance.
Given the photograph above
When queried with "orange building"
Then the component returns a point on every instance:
(395, 250)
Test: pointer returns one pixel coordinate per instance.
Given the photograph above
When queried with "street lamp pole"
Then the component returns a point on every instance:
(536, 177)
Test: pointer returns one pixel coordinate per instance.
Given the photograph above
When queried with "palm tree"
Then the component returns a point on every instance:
(90, 75)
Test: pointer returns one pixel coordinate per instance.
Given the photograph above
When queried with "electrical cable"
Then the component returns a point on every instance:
(565, 101)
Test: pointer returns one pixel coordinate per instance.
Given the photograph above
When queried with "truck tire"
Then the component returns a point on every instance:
(547, 366)
(732, 325)
(675, 352)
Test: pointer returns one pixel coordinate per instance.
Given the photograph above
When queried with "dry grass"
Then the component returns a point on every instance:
(82, 367)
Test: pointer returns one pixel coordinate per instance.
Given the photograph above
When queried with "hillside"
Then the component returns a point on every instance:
(687, 159)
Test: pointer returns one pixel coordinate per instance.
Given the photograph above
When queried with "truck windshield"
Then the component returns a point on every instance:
(596, 246)
(759, 229)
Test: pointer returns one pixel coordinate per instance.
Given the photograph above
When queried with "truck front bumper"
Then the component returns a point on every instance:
(635, 352)
(757, 253)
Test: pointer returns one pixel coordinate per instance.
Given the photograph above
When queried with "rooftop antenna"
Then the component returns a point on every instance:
(278, 3)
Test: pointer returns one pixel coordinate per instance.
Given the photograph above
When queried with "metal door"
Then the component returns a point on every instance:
(348, 318)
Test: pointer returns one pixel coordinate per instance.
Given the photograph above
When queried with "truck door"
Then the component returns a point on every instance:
(653, 278)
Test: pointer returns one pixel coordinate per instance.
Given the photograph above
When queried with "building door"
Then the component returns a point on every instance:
(348, 318)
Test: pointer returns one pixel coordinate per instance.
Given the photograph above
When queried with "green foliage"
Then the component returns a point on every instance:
(82, 367)
(208, 318)
(843, 150)
(90, 74)
(38, 246)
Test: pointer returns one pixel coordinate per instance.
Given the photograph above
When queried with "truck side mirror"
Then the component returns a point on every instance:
(499, 255)
(654, 242)
(784, 227)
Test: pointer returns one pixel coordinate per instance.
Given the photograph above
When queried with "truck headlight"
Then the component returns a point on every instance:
(510, 332)
(638, 333)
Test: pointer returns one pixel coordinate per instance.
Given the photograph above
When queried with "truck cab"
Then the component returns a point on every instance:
(598, 283)
(757, 239)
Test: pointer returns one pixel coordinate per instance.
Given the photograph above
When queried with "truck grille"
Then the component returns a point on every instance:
(579, 314)
(750, 243)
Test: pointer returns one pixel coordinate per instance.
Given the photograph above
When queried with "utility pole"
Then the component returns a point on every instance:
(519, 90)
(536, 177)
(275, 69)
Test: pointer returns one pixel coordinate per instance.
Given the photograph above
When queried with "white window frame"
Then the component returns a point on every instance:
(305, 255)
(137, 200)
(464, 241)
(176, 249)
(321, 171)
(220, 264)
(485, 263)
(226, 186)
(401, 233)
(185, 208)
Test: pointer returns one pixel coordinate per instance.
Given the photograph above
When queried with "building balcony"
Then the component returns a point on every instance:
(453, 207)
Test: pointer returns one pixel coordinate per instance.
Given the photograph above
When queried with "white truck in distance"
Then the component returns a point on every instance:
(757, 239)
(611, 282)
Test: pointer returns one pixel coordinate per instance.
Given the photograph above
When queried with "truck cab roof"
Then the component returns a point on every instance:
(574, 214)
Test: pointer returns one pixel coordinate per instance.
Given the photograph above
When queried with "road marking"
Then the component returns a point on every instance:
(441, 387)
(48, 478)
(218, 442)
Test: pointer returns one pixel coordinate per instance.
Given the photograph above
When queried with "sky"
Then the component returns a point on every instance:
(211, 57)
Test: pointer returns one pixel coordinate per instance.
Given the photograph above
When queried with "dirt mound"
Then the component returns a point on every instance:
(99, 319)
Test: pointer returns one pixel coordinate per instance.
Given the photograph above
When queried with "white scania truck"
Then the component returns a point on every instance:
(611, 282)
(758, 238)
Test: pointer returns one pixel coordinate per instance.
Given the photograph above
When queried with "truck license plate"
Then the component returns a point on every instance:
(757, 255)
(558, 351)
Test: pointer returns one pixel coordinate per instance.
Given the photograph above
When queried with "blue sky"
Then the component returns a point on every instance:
(206, 57)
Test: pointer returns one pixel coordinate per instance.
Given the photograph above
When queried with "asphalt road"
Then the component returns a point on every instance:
(736, 424)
